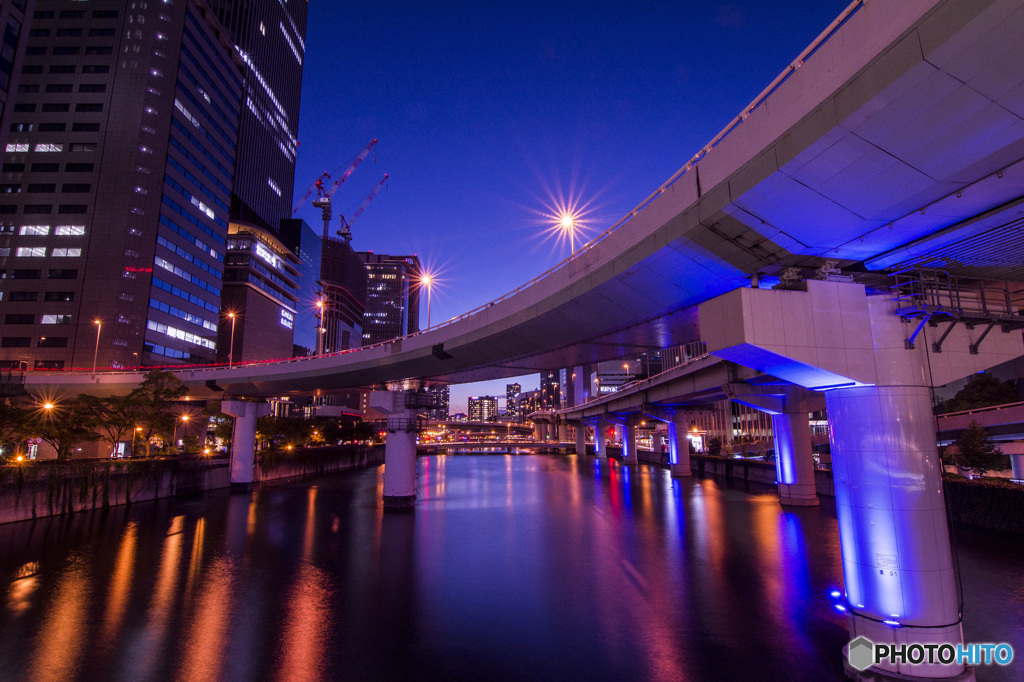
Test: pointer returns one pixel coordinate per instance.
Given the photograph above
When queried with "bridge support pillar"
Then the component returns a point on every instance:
(897, 563)
(243, 440)
(679, 445)
(400, 467)
(794, 465)
(563, 432)
(1017, 462)
(629, 440)
(601, 438)
(581, 439)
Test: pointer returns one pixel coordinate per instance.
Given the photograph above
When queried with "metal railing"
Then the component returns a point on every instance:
(761, 98)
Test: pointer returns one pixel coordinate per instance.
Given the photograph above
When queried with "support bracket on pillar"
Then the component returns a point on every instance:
(937, 346)
(974, 346)
(909, 343)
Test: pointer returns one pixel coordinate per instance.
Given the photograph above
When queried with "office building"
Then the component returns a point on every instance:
(270, 38)
(14, 17)
(259, 296)
(392, 297)
(133, 247)
(550, 391)
(343, 280)
(483, 409)
(298, 236)
(527, 402)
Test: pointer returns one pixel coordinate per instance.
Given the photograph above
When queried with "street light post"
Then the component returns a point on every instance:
(184, 419)
(427, 281)
(320, 334)
(231, 346)
(568, 223)
(135, 433)
(96, 352)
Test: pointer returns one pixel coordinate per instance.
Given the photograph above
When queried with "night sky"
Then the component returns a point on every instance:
(491, 116)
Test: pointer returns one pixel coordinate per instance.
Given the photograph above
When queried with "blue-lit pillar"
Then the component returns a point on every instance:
(399, 453)
(243, 440)
(794, 463)
(897, 563)
(629, 440)
(601, 437)
(679, 445)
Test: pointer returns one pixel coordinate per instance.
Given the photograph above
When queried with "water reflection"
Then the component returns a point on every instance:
(62, 635)
(511, 567)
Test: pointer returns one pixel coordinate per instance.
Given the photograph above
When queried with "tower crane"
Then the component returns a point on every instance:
(345, 233)
(324, 193)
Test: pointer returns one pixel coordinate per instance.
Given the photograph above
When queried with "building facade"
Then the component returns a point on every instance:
(483, 409)
(392, 297)
(259, 297)
(343, 281)
(125, 257)
(269, 36)
(14, 17)
(442, 395)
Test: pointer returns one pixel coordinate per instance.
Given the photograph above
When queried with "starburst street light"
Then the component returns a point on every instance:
(567, 222)
(427, 281)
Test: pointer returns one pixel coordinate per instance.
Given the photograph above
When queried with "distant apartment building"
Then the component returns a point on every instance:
(550, 390)
(483, 409)
(527, 403)
(116, 185)
(511, 391)
(392, 297)
(442, 396)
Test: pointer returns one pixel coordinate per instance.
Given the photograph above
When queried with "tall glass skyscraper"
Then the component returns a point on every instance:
(269, 36)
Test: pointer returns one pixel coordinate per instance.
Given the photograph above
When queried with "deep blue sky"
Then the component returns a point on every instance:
(486, 113)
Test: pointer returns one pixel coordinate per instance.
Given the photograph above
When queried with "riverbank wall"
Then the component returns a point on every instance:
(48, 488)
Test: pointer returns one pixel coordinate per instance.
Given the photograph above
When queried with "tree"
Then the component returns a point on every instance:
(976, 451)
(983, 390)
(115, 416)
(223, 425)
(12, 425)
(154, 397)
(63, 427)
(715, 447)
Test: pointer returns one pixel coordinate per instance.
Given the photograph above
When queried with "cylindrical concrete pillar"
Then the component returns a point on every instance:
(897, 564)
(629, 441)
(1017, 462)
(536, 431)
(563, 432)
(243, 446)
(794, 464)
(581, 439)
(679, 445)
(601, 438)
(400, 462)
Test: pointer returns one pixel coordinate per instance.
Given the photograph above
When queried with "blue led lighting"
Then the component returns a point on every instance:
(892, 623)
(836, 593)
(840, 607)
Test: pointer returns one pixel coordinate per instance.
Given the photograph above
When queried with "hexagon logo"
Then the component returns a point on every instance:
(862, 653)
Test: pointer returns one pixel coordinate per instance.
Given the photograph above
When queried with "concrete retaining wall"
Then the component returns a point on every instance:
(50, 488)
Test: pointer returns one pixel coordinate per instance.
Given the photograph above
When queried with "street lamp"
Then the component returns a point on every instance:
(567, 223)
(320, 335)
(427, 280)
(135, 433)
(231, 347)
(184, 420)
(95, 354)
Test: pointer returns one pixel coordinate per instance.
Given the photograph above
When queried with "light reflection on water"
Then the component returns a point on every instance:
(511, 568)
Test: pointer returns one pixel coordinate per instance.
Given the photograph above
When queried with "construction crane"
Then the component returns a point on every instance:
(324, 193)
(345, 233)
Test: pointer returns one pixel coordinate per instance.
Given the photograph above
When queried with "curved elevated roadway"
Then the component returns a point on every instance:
(895, 138)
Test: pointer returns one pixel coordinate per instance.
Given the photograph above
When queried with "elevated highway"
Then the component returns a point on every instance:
(895, 138)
